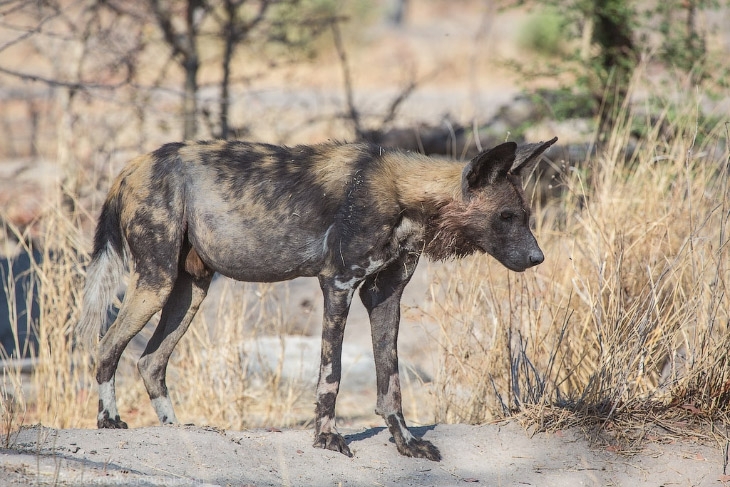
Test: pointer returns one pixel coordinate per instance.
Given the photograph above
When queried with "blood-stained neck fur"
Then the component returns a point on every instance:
(444, 236)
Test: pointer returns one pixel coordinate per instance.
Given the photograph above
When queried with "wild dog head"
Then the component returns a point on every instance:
(492, 214)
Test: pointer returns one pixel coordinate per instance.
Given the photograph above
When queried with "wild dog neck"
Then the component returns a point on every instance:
(430, 191)
(425, 184)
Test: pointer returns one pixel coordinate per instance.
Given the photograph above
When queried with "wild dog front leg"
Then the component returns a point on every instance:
(337, 298)
(381, 296)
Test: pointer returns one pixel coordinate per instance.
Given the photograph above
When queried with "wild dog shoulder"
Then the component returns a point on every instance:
(408, 235)
(392, 243)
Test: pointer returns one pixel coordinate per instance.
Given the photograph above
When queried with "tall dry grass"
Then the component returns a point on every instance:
(242, 386)
(630, 313)
(54, 392)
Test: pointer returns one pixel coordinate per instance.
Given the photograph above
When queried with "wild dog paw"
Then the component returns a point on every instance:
(418, 448)
(109, 423)
(332, 441)
(106, 421)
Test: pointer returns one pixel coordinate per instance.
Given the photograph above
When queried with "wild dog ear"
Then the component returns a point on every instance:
(527, 157)
(488, 166)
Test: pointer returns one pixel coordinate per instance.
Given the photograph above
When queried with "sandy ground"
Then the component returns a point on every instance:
(496, 455)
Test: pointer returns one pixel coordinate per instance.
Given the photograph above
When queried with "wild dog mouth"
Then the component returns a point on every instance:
(508, 264)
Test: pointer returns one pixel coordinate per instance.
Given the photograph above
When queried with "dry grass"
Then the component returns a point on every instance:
(60, 375)
(239, 392)
(628, 317)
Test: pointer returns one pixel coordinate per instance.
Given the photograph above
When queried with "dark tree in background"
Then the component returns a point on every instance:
(614, 31)
(234, 23)
(684, 44)
(604, 41)
(235, 28)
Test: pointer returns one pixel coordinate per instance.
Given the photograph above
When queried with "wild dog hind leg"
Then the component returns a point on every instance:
(140, 303)
(181, 306)
(381, 295)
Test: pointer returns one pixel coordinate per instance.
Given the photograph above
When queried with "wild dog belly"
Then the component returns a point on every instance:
(248, 244)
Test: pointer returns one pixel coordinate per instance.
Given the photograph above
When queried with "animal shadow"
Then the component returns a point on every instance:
(371, 432)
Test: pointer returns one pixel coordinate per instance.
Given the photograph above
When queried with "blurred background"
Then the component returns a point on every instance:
(637, 93)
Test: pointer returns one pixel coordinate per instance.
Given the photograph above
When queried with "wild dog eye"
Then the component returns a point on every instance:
(506, 215)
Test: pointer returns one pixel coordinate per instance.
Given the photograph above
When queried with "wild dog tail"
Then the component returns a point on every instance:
(103, 273)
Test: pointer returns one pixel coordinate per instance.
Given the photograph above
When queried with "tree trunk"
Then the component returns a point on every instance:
(190, 97)
(225, 101)
(185, 48)
(190, 64)
(613, 32)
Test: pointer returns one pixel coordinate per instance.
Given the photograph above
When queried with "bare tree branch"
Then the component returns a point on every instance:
(164, 21)
(184, 45)
(406, 92)
(397, 101)
(28, 32)
(78, 85)
(15, 5)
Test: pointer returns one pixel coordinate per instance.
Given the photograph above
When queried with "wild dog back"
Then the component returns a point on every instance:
(253, 212)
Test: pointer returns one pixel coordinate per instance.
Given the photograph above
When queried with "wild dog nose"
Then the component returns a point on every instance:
(536, 257)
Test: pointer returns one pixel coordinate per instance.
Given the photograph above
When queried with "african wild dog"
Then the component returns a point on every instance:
(354, 215)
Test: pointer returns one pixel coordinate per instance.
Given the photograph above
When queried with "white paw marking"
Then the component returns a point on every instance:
(164, 410)
(407, 436)
(108, 399)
